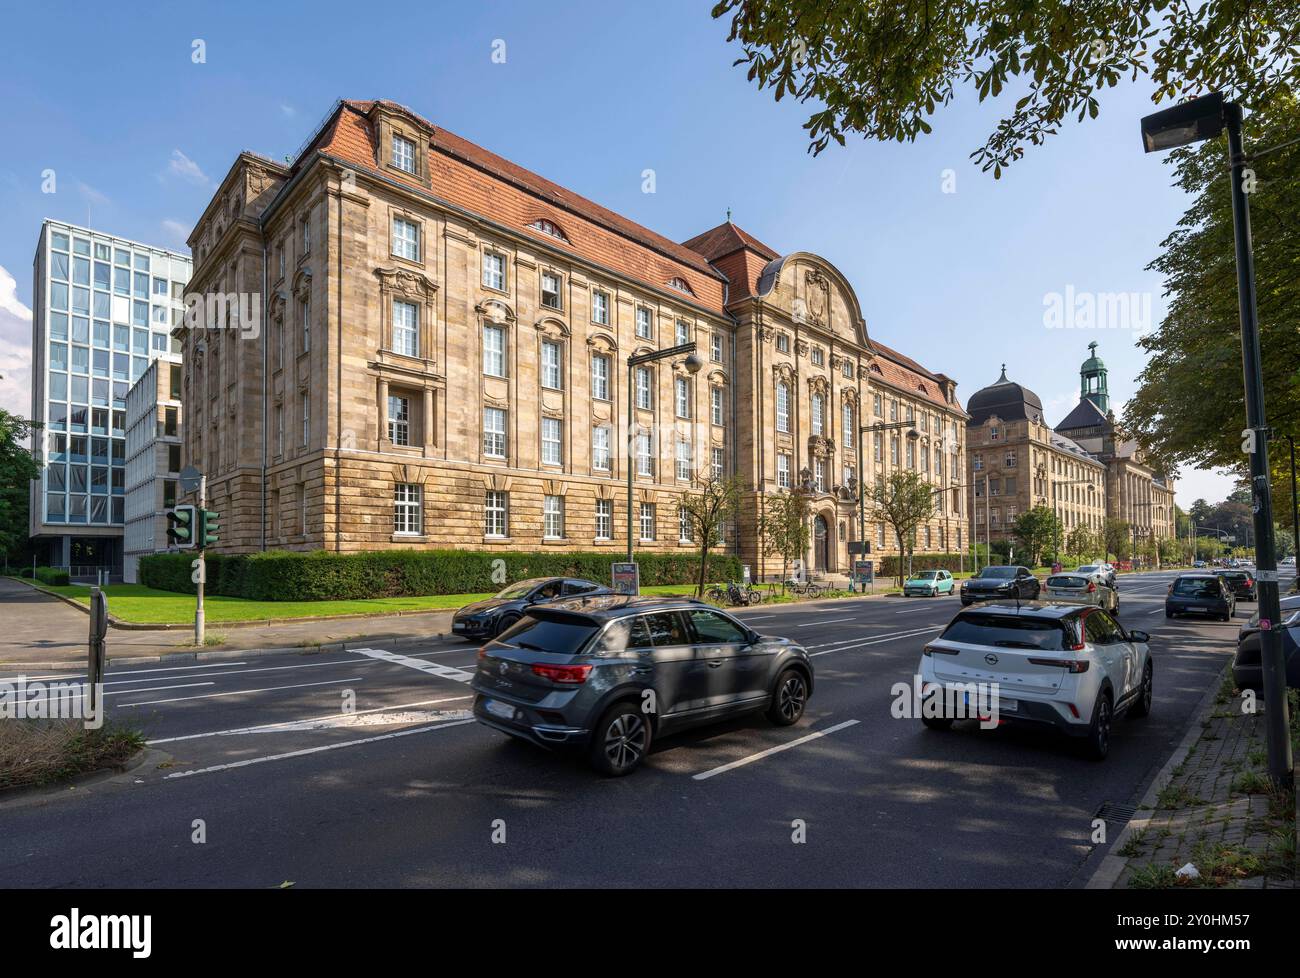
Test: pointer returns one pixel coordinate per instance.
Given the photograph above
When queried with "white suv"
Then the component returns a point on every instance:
(1069, 667)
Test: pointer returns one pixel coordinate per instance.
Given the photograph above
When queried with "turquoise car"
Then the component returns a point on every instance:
(929, 583)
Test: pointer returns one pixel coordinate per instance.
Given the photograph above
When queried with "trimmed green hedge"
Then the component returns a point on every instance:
(52, 576)
(889, 565)
(318, 575)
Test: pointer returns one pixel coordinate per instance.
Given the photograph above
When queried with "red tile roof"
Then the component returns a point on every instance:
(486, 184)
(726, 238)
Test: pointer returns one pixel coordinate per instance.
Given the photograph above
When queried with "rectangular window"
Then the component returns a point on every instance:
(847, 413)
(279, 430)
(715, 347)
(783, 471)
(600, 307)
(684, 533)
(647, 521)
(600, 377)
(306, 419)
(782, 408)
(604, 519)
(399, 420)
(643, 323)
(496, 514)
(645, 462)
(715, 404)
(683, 389)
(494, 271)
(718, 462)
(600, 448)
(305, 324)
(782, 343)
(551, 297)
(552, 433)
(406, 239)
(818, 356)
(494, 351)
(551, 375)
(683, 332)
(684, 466)
(875, 404)
(553, 517)
(403, 153)
(306, 234)
(494, 432)
(643, 399)
(818, 415)
(406, 509)
(406, 328)
(819, 475)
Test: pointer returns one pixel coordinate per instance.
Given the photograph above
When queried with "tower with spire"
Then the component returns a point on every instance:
(1092, 380)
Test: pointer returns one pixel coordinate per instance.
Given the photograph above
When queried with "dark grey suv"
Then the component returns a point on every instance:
(611, 673)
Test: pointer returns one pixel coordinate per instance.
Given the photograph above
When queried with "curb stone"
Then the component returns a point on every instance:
(1112, 864)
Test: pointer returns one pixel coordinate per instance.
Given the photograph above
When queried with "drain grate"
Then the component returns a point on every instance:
(1116, 814)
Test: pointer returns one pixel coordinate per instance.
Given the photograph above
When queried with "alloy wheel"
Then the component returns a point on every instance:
(625, 740)
(790, 701)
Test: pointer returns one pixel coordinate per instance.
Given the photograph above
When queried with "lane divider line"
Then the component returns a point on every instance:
(239, 692)
(430, 668)
(705, 775)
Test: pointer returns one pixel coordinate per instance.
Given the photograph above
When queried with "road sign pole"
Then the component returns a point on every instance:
(95, 665)
(203, 568)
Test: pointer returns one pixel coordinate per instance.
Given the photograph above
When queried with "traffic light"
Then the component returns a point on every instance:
(180, 527)
(208, 526)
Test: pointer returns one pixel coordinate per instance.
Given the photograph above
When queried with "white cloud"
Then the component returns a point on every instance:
(177, 230)
(15, 348)
(182, 166)
(288, 109)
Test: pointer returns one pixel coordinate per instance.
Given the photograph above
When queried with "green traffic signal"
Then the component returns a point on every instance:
(180, 527)
(208, 527)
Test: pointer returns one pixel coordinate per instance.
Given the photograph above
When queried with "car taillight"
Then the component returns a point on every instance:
(482, 652)
(931, 649)
(562, 674)
(1091, 587)
(1073, 665)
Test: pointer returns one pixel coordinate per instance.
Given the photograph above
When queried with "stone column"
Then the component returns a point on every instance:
(383, 413)
(428, 420)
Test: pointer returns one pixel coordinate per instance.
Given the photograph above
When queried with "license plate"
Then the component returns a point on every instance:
(503, 710)
(1195, 609)
(458, 626)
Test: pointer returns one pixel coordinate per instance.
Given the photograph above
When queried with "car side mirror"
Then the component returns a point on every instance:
(1139, 636)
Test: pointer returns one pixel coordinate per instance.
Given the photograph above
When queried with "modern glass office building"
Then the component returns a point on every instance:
(103, 308)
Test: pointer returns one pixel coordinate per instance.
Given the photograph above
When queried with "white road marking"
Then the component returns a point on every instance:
(239, 692)
(316, 750)
(885, 637)
(267, 727)
(829, 621)
(430, 668)
(756, 617)
(912, 611)
(704, 775)
(931, 630)
(119, 672)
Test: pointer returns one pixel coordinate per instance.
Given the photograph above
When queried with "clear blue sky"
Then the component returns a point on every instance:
(590, 95)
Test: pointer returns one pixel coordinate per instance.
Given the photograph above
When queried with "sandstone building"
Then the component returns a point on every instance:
(1080, 469)
(441, 361)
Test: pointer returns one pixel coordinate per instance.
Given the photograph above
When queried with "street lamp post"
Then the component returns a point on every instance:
(692, 363)
(1189, 122)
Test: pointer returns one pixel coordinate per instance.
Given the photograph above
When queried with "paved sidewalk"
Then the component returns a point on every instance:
(1215, 811)
(38, 630)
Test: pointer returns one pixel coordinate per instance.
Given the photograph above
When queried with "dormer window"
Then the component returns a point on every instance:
(679, 283)
(403, 154)
(548, 227)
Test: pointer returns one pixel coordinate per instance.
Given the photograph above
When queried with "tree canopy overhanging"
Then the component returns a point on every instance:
(883, 69)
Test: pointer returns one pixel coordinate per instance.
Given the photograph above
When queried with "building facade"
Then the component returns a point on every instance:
(153, 460)
(442, 362)
(1080, 469)
(103, 308)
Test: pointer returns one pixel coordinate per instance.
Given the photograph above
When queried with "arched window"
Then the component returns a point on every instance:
(548, 227)
(680, 284)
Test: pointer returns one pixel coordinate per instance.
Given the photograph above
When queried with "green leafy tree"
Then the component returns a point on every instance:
(1197, 345)
(1118, 537)
(709, 509)
(1084, 543)
(903, 501)
(17, 470)
(1037, 530)
(783, 528)
(883, 69)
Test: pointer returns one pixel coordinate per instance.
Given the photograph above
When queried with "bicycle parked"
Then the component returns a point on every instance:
(735, 594)
(806, 588)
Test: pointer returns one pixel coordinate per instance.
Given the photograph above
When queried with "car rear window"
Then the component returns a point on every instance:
(1191, 587)
(1063, 580)
(557, 633)
(1007, 631)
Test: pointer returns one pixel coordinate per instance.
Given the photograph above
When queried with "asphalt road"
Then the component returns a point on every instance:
(408, 791)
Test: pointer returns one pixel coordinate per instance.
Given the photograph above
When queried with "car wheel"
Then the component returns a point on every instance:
(1168, 613)
(1097, 743)
(936, 723)
(788, 699)
(505, 622)
(1142, 705)
(620, 740)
